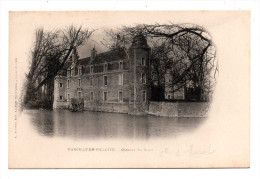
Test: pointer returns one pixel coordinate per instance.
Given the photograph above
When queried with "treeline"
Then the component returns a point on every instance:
(50, 52)
(185, 51)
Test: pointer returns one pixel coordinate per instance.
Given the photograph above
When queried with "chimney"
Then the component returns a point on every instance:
(93, 54)
(74, 55)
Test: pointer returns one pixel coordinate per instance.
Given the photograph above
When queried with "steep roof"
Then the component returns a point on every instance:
(67, 64)
(139, 41)
(112, 55)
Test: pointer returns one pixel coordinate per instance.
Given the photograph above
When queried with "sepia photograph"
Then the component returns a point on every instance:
(129, 89)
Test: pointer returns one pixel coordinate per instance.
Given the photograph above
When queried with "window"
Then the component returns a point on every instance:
(79, 70)
(68, 73)
(91, 81)
(68, 83)
(68, 98)
(135, 92)
(105, 80)
(144, 96)
(120, 65)
(61, 85)
(169, 96)
(120, 79)
(61, 97)
(91, 69)
(105, 96)
(120, 96)
(143, 78)
(91, 96)
(72, 72)
(80, 94)
(105, 67)
(79, 82)
(143, 61)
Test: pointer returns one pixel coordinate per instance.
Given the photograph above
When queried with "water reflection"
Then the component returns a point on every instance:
(93, 125)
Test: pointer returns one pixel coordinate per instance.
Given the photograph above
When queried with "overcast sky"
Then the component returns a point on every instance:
(22, 26)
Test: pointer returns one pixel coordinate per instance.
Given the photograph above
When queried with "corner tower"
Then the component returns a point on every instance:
(140, 70)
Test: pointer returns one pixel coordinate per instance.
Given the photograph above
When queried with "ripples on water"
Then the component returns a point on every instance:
(93, 125)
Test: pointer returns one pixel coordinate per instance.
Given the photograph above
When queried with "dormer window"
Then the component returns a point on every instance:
(105, 67)
(91, 69)
(68, 73)
(72, 71)
(79, 70)
(121, 65)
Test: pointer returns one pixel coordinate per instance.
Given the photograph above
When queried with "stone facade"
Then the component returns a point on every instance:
(179, 109)
(113, 81)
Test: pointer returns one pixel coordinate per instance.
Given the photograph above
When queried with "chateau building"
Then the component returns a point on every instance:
(113, 81)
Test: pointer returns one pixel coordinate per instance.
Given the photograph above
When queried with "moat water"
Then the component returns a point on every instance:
(101, 125)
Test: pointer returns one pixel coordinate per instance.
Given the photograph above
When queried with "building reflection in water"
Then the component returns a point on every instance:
(94, 125)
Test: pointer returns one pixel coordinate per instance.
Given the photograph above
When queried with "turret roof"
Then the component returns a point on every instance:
(139, 41)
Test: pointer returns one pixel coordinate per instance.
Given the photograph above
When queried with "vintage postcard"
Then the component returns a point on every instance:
(129, 89)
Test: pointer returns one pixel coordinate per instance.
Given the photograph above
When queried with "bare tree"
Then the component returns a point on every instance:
(186, 49)
(160, 61)
(194, 57)
(50, 52)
